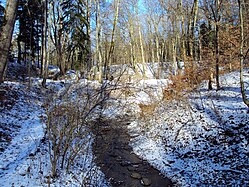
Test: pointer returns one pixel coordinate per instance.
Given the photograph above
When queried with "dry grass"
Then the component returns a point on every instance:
(147, 110)
(182, 84)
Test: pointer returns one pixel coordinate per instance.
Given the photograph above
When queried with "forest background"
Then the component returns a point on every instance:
(206, 37)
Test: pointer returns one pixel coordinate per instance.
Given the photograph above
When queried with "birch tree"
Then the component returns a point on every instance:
(141, 41)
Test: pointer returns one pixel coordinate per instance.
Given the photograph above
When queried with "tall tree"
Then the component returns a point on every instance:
(193, 27)
(76, 21)
(98, 57)
(29, 16)
(128, 23)
(44, 43)
(112, 46)
(140, 40)
(183, 37)
(217, 17)
(58, 34)
(88, 33)
(6, 35)
(242, 57)
(213, 13)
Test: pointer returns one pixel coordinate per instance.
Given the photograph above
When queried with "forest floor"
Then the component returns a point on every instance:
(201, 140)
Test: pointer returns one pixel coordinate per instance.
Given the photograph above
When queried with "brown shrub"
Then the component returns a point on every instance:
(183, 83)
(147, 110)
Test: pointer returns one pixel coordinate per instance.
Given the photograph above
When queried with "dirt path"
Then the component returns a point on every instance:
(120, 165)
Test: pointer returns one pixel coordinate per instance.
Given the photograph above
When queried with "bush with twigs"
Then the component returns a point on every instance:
(70, 117)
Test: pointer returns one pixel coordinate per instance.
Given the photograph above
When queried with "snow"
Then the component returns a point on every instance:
(148, 91)
(52, 69)
(72, 74)
(198, 141)
(25, 159)
(24, 117)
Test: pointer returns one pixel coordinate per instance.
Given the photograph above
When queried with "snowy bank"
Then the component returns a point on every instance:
(199, 141)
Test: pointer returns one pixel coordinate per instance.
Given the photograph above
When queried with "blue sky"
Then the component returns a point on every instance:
(3, 2)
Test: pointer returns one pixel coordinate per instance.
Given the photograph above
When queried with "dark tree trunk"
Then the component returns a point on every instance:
(217, 47)
(242, 84)
(19, 59)
(44, 46)
(6, 35)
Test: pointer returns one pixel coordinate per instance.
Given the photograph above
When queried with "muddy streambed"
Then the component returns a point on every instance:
(115, 157)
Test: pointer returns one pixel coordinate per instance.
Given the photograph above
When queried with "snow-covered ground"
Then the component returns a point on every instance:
(25, 130)
(201, 140)
(24, 156)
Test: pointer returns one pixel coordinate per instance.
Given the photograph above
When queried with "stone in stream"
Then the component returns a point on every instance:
(125, 163)
(136, 175)
(113, 155)
(145, 181)
(130, 168)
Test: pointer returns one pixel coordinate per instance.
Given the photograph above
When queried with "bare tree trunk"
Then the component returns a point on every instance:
(152, 53)
(183, 33)
(108, 62)
(56, 20)
(60, 44)
(200, 45)
(151, 46)
(98, 52)
(89, 52)
(242, 85)
(189, 40)
(217, 47)
(159, 64)
(132, 45)
(44, 46)
(157, 53)
(141, 42)
(19, 58)
(141, 47)
(195, 13)
(6, 35)
(174, 56)
(191, 29)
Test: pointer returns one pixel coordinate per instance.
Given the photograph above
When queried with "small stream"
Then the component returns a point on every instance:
(118, 162)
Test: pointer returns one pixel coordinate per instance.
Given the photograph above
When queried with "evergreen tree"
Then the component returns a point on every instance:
(1, 14)
(76, 21)
(30, 18)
